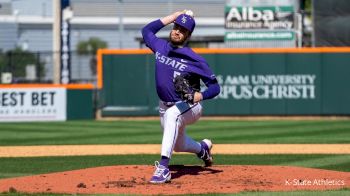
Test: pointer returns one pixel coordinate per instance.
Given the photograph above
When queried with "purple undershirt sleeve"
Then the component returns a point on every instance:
(212, 90)
(149, 33)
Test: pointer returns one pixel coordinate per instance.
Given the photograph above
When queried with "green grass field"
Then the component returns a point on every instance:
(148, 132)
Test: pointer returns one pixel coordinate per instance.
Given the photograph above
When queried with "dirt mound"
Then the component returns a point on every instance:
(133, 179)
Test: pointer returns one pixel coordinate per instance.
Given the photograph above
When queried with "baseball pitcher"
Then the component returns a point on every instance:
(178, 73)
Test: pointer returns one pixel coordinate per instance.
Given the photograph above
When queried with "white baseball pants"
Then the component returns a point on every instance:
(173, 121)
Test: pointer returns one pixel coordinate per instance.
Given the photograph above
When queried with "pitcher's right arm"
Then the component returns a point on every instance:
(149, 31)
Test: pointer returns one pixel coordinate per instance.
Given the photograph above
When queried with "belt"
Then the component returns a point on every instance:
(168, 104)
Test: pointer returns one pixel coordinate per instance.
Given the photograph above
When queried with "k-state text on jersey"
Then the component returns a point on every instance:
(169, 61)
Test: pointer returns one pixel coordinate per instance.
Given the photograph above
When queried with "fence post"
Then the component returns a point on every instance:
(9, 66)
(38, 71)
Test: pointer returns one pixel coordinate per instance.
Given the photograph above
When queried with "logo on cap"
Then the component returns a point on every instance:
(183, 19)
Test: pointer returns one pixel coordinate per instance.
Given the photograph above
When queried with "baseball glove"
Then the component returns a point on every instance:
(184, 89)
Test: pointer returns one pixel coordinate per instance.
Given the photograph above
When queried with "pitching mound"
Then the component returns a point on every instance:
(133, 179)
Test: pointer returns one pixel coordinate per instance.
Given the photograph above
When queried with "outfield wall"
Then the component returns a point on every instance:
(311, 81)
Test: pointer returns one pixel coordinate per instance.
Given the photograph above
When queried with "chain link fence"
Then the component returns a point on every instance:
(37, 67)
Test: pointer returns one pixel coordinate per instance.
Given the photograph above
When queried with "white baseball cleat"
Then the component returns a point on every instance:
(161, 174)
(205, 153)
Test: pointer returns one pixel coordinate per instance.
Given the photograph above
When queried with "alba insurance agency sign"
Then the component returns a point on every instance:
(32, 104)
(259, 17)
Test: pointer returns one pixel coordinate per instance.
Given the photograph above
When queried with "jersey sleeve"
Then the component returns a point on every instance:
(149, 34)
(209, 79)
(202, 69)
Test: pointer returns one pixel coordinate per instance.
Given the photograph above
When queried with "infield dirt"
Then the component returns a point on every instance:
(133, 179)
(74, 150)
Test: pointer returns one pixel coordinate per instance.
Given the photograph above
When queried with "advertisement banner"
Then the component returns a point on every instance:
(259, 35)
(32, 104)
(271, 86)
(259, 17)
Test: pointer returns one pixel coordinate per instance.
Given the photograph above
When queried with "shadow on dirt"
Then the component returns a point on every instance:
(181, 170)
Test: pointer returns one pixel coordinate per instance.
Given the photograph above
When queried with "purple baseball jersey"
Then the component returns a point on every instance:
(172, 61)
